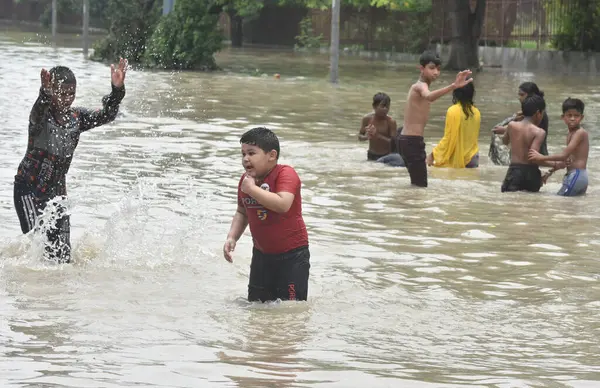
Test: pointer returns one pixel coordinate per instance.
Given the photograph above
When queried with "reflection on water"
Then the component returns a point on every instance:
(452, 286)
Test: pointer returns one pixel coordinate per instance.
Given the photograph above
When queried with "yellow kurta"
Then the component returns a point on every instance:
(461, 138)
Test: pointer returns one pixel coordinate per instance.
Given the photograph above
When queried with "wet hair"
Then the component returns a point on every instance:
(573, 103)
(430, 57)
(465, 96)
(530, 88)
(263, 138)
(532, 104)
(62, 75)
(381, 97)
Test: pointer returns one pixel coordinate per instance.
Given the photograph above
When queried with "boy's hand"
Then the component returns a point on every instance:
(534, 155)
(519, 116)
(371, 131)
(117, 75)
(461, 79)
(228, 249)
(248, 183)
(499, 130)
(430, 160)
(546, 176)
(46, 80)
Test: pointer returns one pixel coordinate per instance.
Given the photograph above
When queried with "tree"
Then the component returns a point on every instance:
(186, 38)
(130, 25)
(238, 11)
(466, 28)
(580, 27)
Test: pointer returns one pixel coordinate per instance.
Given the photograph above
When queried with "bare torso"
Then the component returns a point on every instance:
(416, 111)
(522, 136)
(579, 156)
(386, 127)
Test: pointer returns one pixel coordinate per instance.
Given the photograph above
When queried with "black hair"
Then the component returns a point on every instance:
(263, 138)
(532, 104)
(430, 57)
(573, 103)
(530, 88)
(62, 75)
(381, 97)
(465, 96)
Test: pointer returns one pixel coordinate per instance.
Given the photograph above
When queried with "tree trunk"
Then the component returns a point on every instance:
(466, 29)
(236, 29)
(510, 18)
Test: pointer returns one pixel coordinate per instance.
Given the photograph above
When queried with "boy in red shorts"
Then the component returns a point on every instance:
(269, 201)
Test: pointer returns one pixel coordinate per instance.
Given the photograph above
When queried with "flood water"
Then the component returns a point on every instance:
(457, 285)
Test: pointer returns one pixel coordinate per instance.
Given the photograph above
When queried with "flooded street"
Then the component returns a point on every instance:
(458, 285)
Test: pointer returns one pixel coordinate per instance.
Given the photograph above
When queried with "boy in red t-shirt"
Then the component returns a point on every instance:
(269, 201)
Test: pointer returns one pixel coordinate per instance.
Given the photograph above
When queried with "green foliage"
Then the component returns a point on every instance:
(394, 5)
(244, 8)
(131, 23)
(187, 38)
(416, 31)
(307, 37)
(580, 27)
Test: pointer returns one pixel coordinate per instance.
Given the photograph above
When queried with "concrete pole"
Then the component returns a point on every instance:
(168, 6)
(335, 42)
(86, 27)
(54, 21)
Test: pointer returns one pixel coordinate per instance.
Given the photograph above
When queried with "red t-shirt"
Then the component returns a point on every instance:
(274, 232)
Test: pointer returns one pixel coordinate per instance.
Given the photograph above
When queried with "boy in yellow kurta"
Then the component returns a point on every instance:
(459, 148)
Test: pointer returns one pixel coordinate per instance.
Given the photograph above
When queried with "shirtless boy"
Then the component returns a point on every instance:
(416, 114)
(575, 181)
(378, 128)
(522, 175)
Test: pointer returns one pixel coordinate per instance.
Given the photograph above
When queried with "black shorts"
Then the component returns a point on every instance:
(29, 209)
(412, 150)
(522, 177)
(279, 276)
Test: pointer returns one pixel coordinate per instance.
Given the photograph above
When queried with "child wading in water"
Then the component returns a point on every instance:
(269, 200)
(411, 143)
(54, 131)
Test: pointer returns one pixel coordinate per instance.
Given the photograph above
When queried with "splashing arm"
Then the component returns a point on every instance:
(110, 107)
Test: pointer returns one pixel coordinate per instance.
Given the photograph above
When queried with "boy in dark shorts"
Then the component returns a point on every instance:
(54, 131)
(522, 175)
(411, 144)
(575, 181)
(269, 200)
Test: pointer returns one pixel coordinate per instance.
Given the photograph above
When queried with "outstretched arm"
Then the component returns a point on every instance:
(110, 107)
(110, 103)
(461, 80)
(577, 138)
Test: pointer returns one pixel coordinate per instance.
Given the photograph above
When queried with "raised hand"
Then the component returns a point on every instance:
(117, 74)
(461, 78)
(248, 183)
(46, 80)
